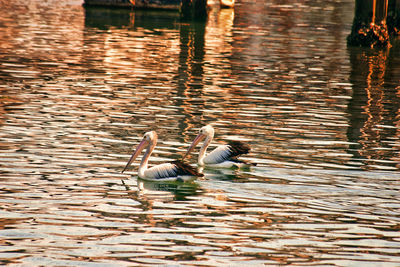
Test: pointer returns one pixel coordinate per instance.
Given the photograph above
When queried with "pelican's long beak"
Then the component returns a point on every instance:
(197, 140)
(139, 149)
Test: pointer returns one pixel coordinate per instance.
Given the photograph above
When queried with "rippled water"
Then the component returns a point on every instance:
(79, 87)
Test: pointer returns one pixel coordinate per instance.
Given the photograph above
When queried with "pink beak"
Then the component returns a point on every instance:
(194, 144)
(139, 149)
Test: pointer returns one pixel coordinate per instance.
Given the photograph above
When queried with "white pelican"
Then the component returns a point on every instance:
(175, 170)
(225, 156)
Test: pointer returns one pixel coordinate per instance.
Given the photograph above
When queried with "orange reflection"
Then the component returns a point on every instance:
(376, 120)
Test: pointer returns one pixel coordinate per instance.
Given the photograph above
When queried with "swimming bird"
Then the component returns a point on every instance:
(225, 156)
(175, 170)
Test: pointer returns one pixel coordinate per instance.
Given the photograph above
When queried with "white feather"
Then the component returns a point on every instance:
(218, 155)
(165, 170)
(224, 164)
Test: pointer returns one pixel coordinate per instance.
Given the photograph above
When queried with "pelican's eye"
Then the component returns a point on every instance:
(147, 137)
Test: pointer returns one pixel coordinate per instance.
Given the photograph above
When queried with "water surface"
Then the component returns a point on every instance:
(80, 86)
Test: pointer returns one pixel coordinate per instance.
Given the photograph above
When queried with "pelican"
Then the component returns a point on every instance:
(225, 156)
(176, 170)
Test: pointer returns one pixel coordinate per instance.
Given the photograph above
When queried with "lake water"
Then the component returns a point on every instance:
(80, 86)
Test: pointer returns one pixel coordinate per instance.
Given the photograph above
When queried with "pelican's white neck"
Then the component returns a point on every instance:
(144, 163)
(203, 149)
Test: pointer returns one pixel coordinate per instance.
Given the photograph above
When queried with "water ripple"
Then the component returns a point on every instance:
(79, 87)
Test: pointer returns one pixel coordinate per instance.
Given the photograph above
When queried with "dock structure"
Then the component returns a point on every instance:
(143, 4)
(108, 3)
(189, 9)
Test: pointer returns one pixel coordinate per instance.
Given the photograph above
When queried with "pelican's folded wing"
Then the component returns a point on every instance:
(171, 170)
(227, 152)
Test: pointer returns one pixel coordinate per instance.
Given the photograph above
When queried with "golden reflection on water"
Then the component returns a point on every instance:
(379, 125)
(79, 87)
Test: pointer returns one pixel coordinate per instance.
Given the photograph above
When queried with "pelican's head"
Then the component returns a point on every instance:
(205, 132)
(149, 138)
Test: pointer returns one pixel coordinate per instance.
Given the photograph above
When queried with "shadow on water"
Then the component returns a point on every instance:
(104, 18)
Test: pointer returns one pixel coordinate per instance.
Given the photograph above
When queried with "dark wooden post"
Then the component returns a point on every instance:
(393, 19)
(369, 25)
(193, 9)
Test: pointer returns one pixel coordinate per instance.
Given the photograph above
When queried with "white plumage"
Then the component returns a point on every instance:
(161, 171)
(225, 156)
(218, 155)
(175, 170)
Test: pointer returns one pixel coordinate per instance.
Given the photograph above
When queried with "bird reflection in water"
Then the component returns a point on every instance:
(177, 190)
(223, 174)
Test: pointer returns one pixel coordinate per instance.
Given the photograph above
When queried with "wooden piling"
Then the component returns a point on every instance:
(193, 10)
(369, 24)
